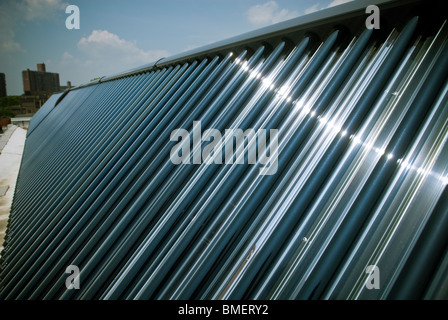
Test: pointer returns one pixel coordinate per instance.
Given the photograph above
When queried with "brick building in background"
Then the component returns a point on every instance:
(38, 86)
(40, 81)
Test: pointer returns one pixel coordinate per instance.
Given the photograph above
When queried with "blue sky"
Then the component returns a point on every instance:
(117, 35)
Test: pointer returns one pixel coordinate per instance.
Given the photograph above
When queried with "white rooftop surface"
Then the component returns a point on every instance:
(10, 159)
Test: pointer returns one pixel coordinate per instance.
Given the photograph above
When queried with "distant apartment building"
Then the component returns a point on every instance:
(40, 82)
(2, 85)
(38, 86)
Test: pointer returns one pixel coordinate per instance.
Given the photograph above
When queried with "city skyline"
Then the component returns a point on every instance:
(115, 36)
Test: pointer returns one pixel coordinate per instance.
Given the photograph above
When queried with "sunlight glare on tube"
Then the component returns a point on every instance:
(283, 91)
(444, 180)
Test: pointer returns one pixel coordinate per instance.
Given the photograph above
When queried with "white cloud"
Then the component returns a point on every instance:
(40, 9)
(312, 9)
(317, 6)
(11, 12)
(269, 13)
(102, 53)
(190, 47)
(337, 2)
(102, 46)
(68, 59)
(7, 42)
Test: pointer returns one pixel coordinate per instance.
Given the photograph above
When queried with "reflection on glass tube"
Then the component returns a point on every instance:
(284, 91)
